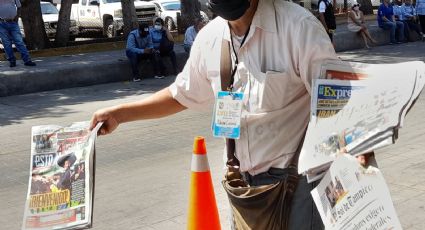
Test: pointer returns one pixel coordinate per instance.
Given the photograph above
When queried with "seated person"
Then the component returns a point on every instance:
(140, 47)
(191, 33)
(409, 16)
(356, 24)
(386, 21)
(398, 15)
(163, 44)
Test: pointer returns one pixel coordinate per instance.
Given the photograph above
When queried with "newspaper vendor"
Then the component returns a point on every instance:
(275, 48)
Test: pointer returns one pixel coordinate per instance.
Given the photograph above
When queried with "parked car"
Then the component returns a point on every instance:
(106, 15)
(50, 16)
(168, 9)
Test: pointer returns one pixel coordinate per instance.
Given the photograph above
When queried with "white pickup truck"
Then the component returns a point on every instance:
(106, 15)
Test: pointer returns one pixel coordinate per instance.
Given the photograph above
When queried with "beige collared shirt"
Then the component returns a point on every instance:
(283, 52)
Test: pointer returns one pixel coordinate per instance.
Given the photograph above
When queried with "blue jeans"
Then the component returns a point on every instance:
(10, 32)
(392, 26)
(136, 58)
(304, 214)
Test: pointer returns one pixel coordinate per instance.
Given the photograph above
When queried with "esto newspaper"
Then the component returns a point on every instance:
(61, 183)
(353, 197)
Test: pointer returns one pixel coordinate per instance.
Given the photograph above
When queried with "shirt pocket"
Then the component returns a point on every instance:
(275, 92)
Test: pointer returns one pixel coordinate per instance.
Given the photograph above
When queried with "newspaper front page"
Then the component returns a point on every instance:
(60, 190)
(355, 198)
(358, 116)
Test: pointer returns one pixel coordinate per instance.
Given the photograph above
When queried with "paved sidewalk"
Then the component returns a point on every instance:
(143, 169)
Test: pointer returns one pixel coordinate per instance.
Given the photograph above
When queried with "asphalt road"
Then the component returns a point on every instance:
(143, 169)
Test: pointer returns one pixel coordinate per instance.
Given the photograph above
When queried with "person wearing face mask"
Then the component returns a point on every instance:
(163, 43)
(410, 17)
(357, 24)
(386, 21)
(140, 47)
(267, 53)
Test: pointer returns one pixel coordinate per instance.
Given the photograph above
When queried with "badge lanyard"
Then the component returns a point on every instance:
(228, 108)
(232, 76)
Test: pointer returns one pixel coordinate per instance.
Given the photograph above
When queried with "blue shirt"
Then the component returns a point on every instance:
(190, 35)
(398, 12)
(420, 7)
(408, 11)
(137, 44)
(386, 12)
(8, 8)
(156, 37)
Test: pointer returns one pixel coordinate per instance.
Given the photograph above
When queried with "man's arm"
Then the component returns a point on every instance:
(158, 105)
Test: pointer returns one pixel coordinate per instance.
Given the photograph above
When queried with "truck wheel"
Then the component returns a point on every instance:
(169, 24)
(109, 29)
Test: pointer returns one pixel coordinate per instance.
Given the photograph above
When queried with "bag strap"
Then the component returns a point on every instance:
(225, 76)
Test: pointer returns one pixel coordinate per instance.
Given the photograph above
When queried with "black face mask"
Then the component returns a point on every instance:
(230, 10)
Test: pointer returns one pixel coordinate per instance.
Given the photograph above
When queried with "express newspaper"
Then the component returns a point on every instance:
(357, 111)
(61, 183)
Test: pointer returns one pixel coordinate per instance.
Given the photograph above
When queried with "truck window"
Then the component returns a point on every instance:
(75, 1)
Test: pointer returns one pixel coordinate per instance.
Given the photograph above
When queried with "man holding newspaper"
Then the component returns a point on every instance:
(275, 49)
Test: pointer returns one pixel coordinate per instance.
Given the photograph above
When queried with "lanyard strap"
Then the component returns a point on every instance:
(232, 75)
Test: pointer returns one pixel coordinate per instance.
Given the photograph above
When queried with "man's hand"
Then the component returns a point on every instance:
(108, 117)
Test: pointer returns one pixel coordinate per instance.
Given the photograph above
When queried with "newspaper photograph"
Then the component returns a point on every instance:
(60, 188)
(353, 197)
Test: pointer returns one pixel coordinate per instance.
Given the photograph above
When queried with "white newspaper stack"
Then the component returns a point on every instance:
(61, 183)
(356, 109)
(352, 197)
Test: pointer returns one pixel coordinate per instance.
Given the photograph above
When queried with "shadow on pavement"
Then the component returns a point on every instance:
(16, 109)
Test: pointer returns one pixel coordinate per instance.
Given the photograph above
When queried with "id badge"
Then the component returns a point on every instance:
(227, 115)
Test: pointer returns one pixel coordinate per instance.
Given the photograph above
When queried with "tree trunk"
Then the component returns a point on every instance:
(62, 31)
(366, 6)
(35, 34)
(189, 11)
(129, 16)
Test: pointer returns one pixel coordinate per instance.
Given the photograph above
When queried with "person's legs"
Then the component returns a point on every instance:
(422, 22)
(406, 31)
(400, 31)
(157, 64)
(7, 42)
(173, 59)
(303, 203)
(15, 32)
(134, 62)
(362, 33)
(392, 27)
(414, 26)
(186, 48)
(366, 32)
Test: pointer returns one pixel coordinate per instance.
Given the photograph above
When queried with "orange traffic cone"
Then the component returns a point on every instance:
(203, 213)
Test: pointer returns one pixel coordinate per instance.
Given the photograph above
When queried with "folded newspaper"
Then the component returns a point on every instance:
(61, 183)
(353, 197)
(357, 108)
